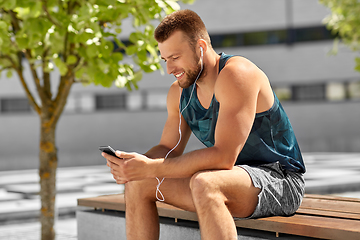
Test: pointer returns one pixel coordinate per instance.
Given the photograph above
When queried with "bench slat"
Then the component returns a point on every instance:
(320, 217)
(329, 197)
(331, 205)
(317, 212)
(310, 226)
(110, 202)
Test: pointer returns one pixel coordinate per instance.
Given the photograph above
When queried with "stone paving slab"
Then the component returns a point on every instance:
(6, 196)
(329, 173)
(64, 229)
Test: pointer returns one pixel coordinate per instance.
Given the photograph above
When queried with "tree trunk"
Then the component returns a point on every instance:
(47, 172)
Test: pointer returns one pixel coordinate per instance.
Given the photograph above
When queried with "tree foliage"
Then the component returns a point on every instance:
(80, 39)
(344, 21)
(80, 35)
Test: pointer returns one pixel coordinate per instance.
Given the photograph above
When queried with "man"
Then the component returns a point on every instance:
(251, 166)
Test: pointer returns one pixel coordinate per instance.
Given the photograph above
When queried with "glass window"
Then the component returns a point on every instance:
(283, 93)
(14, 105)
(136, 101)
(156, 100)
(271, 37)
(354, 90)
(313, 92)
(335, 91)
(111, 101)
(312, 34)
(255, 38)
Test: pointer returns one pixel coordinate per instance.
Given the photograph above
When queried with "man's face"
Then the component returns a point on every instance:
(181, 60)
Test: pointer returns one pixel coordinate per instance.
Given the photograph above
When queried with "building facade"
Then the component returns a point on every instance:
(285, 38)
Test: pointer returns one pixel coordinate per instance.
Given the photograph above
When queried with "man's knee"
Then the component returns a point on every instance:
(139, 189)
(204, 188)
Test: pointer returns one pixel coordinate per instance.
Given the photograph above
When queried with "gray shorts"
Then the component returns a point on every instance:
(281, 190)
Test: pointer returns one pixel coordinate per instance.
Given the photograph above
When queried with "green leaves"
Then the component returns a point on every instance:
(357, 66)
(61, 65)
(344, 20)
(79, 37)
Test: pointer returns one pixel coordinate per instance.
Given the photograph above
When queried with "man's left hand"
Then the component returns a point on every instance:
(128, 166)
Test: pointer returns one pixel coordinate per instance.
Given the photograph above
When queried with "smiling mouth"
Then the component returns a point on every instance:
(179, 75)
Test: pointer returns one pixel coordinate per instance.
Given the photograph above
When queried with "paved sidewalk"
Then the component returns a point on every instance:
(65, 230)
(333, 173)
(327, 173)
(20, 203)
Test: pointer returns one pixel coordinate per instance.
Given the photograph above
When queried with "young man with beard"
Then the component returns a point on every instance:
(251, 166)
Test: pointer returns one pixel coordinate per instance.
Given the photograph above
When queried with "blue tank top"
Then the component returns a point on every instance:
(271, 138)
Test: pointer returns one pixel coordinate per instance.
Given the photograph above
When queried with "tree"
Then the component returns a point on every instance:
(80, 39)
(344, 21)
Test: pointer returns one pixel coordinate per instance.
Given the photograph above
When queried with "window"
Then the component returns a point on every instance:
(311, 92)
(312, 34)
(354, 90)
(111, 101)
(156, 100)
(283, 93)
(11, 105)
(336, 91)
(290, 35)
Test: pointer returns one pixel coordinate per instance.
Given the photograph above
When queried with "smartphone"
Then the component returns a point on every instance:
(109, 150)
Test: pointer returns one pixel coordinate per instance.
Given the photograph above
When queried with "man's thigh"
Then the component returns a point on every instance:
(174, 191)
(235, 187)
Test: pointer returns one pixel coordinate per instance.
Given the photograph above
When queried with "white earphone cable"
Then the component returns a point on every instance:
(158, 192)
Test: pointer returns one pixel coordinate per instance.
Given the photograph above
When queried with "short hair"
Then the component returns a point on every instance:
(186, 21)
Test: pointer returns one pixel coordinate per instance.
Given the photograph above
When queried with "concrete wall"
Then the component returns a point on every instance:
(94, 225)
(318, 127)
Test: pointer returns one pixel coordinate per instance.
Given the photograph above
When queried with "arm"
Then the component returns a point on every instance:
(170, 135)
(123, 171)
(237, 89)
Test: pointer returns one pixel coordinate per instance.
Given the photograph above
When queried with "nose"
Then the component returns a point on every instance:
(169, 67)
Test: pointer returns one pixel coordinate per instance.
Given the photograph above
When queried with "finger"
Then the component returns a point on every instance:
(124, 155)
(120, 180)
(112, 159)
(115, 172)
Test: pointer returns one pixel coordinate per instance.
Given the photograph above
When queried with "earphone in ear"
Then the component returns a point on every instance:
(201, 50)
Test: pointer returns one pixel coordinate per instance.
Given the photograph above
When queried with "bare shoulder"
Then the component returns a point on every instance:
(240, 74)
(244, 82)
(173, 97)
(240, 68)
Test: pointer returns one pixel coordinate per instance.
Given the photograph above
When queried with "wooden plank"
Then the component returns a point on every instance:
(319, 217)
(329, 197)
(166, 210)
(310, 226)
(310, 205)
(110, 202)
(331, 205)
(316, 212)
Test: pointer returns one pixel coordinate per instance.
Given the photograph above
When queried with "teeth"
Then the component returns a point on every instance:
(179, 75)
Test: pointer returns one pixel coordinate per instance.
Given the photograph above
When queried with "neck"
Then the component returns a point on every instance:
(208, 78)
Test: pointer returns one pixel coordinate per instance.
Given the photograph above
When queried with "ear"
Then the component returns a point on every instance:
(202, 43)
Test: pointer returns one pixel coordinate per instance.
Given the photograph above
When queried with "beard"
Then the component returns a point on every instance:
(192, 74)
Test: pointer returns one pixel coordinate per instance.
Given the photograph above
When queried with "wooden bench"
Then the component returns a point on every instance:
(319, 216)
